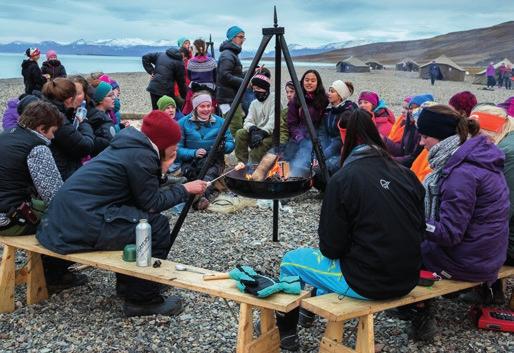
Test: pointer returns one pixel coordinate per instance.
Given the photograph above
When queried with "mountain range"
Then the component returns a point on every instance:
(138, 47)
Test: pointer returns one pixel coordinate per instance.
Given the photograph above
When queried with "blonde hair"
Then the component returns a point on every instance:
(494, 110)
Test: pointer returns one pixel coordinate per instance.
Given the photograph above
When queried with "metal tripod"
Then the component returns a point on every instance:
(280, 48)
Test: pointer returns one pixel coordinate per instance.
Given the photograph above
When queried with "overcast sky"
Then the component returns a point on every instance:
(307, 22)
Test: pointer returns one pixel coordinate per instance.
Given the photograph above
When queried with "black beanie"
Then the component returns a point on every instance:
(261, 81)
(437, 125)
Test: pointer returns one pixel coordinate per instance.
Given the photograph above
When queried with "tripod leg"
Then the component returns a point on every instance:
(210, 158)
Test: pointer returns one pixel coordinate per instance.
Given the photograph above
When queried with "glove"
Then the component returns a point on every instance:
(249, 281)
(221, 147)
(256, 136)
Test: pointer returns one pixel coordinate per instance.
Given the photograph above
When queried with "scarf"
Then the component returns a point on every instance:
(437, 158)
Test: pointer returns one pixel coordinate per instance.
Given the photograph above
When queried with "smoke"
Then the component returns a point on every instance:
(299, 156)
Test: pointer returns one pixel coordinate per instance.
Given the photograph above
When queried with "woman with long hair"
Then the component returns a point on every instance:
(365, 251)
(298, 149)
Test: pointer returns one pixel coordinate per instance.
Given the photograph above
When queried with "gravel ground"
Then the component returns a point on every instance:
(90, 318)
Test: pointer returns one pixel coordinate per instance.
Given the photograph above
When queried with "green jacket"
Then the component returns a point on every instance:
(507, 146)
(284, 132)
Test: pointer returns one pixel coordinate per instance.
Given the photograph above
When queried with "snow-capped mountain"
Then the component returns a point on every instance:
(138, 46)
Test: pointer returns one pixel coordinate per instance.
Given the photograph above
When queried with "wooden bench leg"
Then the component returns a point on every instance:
(267, 342)
(365, 335)
(332, 339)
(36, 283)
(7, 280)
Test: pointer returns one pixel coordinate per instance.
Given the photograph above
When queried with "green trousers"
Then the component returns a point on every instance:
(38, 207)
(255, 154)
(237, 121)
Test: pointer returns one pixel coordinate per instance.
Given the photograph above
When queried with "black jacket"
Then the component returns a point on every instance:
(103, 129)
(167, 69)
(121, 184)
(229, 73)
(70, 145)
(54, 68)
(32, 76)
(372, 219)
(16, 183)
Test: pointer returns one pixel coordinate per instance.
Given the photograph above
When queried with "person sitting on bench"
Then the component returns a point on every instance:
(466, 205)
(99, 207)
(370, 229)
(29, 179)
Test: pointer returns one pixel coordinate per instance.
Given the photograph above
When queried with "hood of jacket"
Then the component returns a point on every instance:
(174, 53)
(130, 137)
(229, 45)
(479, 151)
(27, 62)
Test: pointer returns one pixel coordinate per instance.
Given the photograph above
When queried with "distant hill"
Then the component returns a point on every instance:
(472, 47)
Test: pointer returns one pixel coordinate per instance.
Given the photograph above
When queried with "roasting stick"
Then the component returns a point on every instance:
(238, 166)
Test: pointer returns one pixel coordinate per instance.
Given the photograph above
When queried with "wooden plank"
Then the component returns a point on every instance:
(365, 335)
(21, 276)
(329, 346)
(36, 282)
(334, 331)
(7, 280)
(165, 274)
(334, 309)
(268, 321)
(245, 328)
(268, 342)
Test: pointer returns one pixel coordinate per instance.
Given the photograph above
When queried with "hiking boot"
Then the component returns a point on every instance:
(485, 295)
(423, 327)
(306, 318)
(66, 281)
(121, 289)
(289, 341)
(169, 306)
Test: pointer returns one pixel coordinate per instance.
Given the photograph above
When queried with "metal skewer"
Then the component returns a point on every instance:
(237, 167)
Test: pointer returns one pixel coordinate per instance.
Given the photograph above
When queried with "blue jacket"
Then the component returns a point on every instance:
(329, 134)
(196, 135)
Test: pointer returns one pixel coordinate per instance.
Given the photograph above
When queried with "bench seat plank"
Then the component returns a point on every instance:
(332, 308)
(165, 274)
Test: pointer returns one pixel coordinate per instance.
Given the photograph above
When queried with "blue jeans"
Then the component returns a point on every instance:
(318, 271)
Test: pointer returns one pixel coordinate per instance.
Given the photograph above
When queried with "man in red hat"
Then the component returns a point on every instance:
(101, 204)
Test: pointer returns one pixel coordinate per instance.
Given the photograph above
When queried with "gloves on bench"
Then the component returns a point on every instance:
(249, 281)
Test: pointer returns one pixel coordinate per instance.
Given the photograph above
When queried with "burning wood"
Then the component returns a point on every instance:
(270, 168)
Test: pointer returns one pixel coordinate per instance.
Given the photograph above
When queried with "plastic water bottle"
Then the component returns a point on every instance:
(80, 114)
(143, 244)
(177, 209)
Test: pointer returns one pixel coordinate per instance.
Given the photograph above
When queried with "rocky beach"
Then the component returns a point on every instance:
(90, 318)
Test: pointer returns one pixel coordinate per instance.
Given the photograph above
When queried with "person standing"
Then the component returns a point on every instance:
(52, 66)
(507, 77)
(165, 69)
(33, 78)
(434, 72)
(490, 73)
(229, 75)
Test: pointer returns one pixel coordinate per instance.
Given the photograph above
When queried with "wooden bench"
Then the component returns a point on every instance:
(32, 274)
(337, 311)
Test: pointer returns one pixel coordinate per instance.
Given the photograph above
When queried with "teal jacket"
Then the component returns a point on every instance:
(197, 134)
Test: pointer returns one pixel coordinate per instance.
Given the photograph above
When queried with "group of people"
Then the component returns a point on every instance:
(427, 189)
(500, 77)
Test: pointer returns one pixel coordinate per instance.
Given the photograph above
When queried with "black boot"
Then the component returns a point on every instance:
(423, 327)
(160, 305)
(66, 280)
(306, 317)
(287, 323)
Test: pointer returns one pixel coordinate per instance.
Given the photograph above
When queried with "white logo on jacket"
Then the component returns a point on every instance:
(384, 184)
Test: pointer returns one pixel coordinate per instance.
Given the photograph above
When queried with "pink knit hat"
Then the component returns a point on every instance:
(51, 54)
(105, 78)
(369, 96)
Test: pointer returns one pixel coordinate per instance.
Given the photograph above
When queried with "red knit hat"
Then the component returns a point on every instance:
(463, 101)
(160, 129)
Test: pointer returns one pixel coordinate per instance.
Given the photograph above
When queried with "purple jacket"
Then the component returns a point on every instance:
(470, 238)
(295, 121)
(490, 71)
(11, 115)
